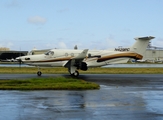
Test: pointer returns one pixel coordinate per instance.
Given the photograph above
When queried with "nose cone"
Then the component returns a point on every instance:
(19, 59)
(23, 58)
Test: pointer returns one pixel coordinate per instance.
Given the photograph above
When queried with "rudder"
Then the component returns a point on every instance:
(141, 44)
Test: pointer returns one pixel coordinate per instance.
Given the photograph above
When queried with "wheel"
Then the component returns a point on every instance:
(39, 73)
(76, 73)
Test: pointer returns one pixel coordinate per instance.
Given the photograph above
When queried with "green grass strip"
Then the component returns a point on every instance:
(59, 83)
(61, 70)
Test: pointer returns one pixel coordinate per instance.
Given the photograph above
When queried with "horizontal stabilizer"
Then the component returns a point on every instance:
(144, 38)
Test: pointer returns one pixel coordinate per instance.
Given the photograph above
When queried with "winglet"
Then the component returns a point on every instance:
(82, 54)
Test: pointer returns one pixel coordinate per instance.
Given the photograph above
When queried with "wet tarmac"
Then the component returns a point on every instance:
(121, 96)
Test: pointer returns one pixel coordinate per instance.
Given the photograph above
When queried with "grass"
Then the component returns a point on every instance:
(62, 83)
(59, 83)
(61, 70)
(126, 71)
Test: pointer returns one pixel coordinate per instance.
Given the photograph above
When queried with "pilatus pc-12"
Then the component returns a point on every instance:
(75, 60)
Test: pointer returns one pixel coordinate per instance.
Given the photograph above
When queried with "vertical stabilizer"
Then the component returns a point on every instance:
(141, 44)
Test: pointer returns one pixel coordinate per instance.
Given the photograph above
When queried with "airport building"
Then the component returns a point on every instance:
(7, 54)
(153, 54)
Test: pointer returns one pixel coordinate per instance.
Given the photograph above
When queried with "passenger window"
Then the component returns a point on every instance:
(66, 54)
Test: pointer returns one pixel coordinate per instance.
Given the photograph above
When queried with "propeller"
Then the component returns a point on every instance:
(19, 59)
(20, 62)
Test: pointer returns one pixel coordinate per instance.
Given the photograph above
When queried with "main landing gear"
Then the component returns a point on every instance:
(73, 71)
(75, 74)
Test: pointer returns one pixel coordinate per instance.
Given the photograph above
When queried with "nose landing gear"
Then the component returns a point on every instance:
(39, 73)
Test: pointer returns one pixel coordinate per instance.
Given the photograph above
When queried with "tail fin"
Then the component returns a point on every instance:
(141, 44)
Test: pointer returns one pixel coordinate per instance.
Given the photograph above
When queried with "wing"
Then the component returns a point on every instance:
(75, 61)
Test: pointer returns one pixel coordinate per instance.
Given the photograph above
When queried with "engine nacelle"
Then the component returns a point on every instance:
(83, 66)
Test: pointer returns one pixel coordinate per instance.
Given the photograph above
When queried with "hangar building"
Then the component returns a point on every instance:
(9, 54)
(153, 54)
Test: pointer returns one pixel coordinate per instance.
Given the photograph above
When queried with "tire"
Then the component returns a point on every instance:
(39, 73)
(76, 73)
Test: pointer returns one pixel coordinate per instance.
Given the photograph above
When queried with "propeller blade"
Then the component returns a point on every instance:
(19, 61)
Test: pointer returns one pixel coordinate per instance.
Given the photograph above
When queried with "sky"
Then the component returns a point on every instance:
(89, 24)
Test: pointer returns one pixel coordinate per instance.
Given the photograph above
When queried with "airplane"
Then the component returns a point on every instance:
(75, 60)
(9, 60)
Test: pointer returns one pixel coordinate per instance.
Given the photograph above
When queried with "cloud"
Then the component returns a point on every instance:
(109, 43)
(7, 45)
(158, 42)
(59, 45)
(13, 4)
(62, 45)
(37, 20)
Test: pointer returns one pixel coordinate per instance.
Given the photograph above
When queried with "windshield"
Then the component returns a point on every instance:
(49, 53)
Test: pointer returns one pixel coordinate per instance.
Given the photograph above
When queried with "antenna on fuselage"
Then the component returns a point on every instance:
(75, 47)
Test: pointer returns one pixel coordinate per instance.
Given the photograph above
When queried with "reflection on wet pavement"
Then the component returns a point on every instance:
(139, 100)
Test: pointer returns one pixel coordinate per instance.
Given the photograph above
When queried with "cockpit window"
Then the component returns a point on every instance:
(49, 53)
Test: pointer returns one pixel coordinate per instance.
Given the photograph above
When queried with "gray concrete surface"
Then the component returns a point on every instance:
(121, 96)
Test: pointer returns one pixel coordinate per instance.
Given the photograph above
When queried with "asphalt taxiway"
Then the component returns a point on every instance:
(121, 96)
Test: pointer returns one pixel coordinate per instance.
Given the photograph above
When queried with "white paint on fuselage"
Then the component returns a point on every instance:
(61, 54)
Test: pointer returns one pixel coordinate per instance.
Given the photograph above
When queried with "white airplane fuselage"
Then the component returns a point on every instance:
(94, 58)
